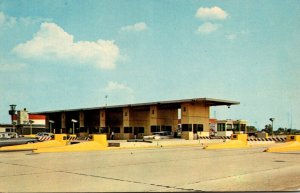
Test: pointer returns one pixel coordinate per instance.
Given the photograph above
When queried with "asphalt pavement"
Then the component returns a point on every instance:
(164, 169)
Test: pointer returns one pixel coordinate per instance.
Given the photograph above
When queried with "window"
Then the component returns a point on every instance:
(155, 128)
(125, 114)
(141, 130)
(168, 128)
(153, 111)
(221, 127)
(236, 127)
(200, 127)
(127, 129)
(243, 127)
(115, 129)
(104, 130)
(229, 127)
(187, 127)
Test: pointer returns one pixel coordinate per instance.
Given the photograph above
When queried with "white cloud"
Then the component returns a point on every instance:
(9, 67)
(51, 42)
(231, 36)
(33, 20)
(207, 28)
(119, 93)
(2, 18)
(115, 86)
(7, 21)
(213, 13)
(135, 27)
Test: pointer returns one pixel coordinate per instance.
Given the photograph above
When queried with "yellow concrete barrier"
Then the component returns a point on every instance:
(59, 140)
(71, 137)
(237, 141)
(292, 144)
(98, 142)
(32, 135)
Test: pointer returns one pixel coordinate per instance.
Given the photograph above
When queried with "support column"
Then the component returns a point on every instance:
(153, 115)
(63, 123)
(126, 117)
(102, 118)
(193, 117)
(126, 123)
(81, 119)
(47, 123)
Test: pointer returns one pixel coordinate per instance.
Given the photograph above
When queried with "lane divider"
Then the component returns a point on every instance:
(45, 138)
(69, 138)
(280, 139)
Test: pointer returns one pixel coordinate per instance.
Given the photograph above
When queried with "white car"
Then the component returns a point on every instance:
(159, 135)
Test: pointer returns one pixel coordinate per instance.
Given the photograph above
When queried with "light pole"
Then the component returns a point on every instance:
(30, 122)
(12, 112)
(272, 120)
(50, 122)
(74, 121)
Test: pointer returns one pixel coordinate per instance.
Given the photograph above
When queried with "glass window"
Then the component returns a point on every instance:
(200, 127)
(236, 127)
(141, 130)
(243, 127)
(221, 127)
(104, 130)
(187, 127)
(127, 129)
(116, 129)
(229, 127)
(155, 128)
(168, 128)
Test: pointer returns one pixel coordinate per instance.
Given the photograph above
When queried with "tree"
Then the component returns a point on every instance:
(251, 129)
(268, 129)
(280, 131)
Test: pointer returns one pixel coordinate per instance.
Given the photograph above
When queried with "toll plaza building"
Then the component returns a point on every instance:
(136, 120)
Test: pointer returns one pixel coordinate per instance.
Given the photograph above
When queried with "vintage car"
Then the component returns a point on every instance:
(12, 138)
(42, 134)
(159, 135)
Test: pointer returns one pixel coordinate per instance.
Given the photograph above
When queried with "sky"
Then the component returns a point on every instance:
(57, 54)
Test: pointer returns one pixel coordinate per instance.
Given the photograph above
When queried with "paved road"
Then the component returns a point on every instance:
(157, 169)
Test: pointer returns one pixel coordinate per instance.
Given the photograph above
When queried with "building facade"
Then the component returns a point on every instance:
(135, 120)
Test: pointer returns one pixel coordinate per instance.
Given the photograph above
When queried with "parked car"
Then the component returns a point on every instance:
(8, 135)
(160, 135)
(42, 134)
(12, 138)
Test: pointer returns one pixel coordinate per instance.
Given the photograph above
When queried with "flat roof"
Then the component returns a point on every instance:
(167, 104)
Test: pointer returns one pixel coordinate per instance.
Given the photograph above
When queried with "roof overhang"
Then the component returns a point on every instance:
(173, 104)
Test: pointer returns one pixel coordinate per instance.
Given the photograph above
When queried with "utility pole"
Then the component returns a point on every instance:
(272, 120)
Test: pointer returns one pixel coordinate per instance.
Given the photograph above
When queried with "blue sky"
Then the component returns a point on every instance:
(71, 54)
